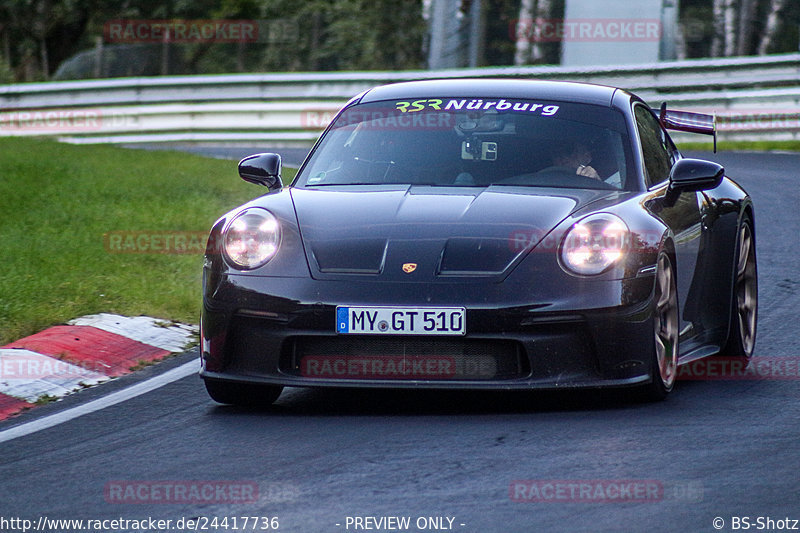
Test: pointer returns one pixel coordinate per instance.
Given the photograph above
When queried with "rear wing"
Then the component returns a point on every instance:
(689, 122)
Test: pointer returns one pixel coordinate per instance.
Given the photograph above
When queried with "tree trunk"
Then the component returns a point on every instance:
(7, 48)
(98, 57)
(718, 38)
(29, 67)
(316, 30)
(724, 41)
(477, 33)
(544, 12)
(730, 28)
(772, 27)
(45, 59)
(747, 17)
(525, 32)
(681, 46)
(240, 49)
(40, 28)
(165, 54)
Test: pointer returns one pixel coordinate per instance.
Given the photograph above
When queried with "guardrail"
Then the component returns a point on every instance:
(754, 98)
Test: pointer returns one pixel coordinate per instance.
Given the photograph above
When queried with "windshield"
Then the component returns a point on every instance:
(474, 142)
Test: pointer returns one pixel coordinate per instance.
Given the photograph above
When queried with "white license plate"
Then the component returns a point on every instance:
(401, 320)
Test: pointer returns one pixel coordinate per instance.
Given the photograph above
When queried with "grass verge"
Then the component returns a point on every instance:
(57, 203)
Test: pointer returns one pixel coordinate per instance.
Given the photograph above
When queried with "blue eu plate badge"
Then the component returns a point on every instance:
(342, 319)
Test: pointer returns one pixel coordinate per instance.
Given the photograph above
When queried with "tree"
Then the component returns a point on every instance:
(747, 20)
(524, 31)
(746, 27)
(772, 26)
(531, 46)
(38, 36)
(724, 40)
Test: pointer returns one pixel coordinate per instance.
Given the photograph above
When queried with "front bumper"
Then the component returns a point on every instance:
(282, 331)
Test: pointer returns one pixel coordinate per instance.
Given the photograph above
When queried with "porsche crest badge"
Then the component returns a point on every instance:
(408, 268)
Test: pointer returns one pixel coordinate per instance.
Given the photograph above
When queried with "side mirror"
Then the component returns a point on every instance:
(695, 175)
(262, 169)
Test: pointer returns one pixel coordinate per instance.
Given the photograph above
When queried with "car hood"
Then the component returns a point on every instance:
(422, 233)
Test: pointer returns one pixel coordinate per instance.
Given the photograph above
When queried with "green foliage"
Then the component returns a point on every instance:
(332, 35)
(501, 19)
(39, 36)
(293, 36)
(6, 74)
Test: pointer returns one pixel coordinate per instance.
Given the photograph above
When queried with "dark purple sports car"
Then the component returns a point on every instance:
(481, 234)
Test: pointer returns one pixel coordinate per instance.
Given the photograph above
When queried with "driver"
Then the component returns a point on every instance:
(574, 156)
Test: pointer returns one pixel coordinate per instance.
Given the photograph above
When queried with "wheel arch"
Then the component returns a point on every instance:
(747, 209)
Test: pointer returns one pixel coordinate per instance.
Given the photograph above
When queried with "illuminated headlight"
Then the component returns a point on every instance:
(594, 244)
(252, 238)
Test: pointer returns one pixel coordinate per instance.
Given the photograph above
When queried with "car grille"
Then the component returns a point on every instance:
(375, 357)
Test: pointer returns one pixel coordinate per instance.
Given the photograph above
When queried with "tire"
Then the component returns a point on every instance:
(744, 302)
(243, 394)
(664, 368)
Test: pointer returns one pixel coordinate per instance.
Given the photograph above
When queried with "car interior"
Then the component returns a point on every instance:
(468, 150)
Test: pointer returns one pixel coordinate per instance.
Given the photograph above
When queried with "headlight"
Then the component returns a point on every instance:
(594, 244)
(252, 238)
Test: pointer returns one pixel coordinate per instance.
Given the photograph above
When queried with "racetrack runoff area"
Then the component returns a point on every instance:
(88, 350)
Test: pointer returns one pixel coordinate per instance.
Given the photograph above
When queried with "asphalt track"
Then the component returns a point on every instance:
(716, 449)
